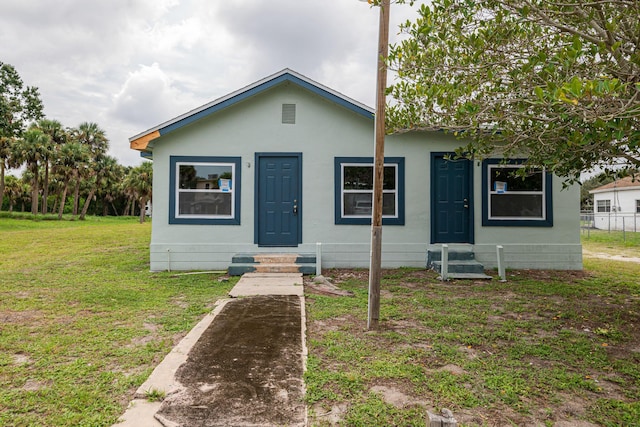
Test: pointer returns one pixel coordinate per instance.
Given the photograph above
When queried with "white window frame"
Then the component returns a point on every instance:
(179, 191)
(493, 192)
(603, 206)
(343, 191)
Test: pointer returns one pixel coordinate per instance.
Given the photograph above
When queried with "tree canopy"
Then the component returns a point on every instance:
(555, 82)
(57, 158)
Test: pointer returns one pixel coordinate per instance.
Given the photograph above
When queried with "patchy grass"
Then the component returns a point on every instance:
(611, 242)
(82, 320)
(543, 348)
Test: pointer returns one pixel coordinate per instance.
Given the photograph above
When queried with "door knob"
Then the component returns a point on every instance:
(466, 203)
(295, 206)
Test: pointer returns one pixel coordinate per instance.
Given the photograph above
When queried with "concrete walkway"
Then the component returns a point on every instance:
(242, 365)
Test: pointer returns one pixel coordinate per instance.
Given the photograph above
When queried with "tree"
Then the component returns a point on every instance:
(109, 190)
(57, 136)
(95, 139)
(103, 170)
(139, 182)
(13, 190)
(556, 82)
(31, 149)
(18, 106)
(70, 156)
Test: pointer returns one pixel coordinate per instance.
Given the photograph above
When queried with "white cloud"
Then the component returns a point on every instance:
(131, 64)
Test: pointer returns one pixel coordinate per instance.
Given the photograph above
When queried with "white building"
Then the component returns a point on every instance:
(616, 206)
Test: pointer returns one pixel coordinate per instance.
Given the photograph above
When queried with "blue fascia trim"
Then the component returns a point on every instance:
(237, 186)
(486, 222)
(337, 179)
(261, 88)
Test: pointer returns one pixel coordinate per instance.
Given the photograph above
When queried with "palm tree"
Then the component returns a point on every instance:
(6, 148)
(102, 170)
(13, 189)
(31, 149)
(95, 139)
(70, 156)
(58, 136)
(139, 182)
(108, 190)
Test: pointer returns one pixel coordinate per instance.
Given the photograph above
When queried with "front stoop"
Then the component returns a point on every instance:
(272, 263)
(462, 264)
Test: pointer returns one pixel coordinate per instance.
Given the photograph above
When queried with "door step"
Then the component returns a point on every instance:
(272, 263)
(461, 264)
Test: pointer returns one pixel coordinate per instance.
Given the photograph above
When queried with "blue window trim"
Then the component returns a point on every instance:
(548, 195)
(173, 182)
(339, 219)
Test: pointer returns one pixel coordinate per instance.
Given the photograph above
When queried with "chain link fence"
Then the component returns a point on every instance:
(610, 222)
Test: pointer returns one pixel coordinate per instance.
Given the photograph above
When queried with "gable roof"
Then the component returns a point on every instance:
(141, 141)
(626, 183)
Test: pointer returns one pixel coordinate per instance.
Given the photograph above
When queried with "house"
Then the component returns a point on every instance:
(617, 205)
(285, 165)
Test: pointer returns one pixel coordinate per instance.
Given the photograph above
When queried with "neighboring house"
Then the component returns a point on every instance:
(616, 206)
(285, 164)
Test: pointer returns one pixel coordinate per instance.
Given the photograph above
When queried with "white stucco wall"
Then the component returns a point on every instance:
(623, 215)
(322, 132)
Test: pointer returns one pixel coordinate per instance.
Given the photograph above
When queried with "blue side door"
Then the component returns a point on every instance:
(278, 199)
(451, 200)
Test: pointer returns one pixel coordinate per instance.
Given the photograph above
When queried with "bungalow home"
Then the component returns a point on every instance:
(285, 165)
(617, 205)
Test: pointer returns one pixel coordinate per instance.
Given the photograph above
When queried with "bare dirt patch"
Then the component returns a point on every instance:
(514, 316)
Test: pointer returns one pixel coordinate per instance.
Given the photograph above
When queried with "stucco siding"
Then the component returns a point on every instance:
(322, 132)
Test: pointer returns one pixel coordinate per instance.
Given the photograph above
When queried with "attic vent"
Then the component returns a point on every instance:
(288, 114)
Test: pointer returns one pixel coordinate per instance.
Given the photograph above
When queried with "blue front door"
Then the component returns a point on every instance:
(451, 201)
(278, 199)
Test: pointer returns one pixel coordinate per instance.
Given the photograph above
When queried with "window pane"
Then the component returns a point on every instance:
(531, 182)
(204, 176)
(389, 178)
(389, 204)
(516, 205)
(359, 204)
(204, 203)
(358, 177)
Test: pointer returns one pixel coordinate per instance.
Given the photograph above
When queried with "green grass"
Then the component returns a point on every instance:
(605, 240)
(512, 353)
(83, 321)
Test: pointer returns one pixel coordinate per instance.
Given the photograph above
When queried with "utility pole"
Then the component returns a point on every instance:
(378, 169)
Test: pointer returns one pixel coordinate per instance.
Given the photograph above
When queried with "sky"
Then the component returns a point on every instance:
(129, 65)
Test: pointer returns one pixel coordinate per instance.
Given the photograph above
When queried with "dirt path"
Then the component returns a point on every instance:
(587, 253)
(246, 369)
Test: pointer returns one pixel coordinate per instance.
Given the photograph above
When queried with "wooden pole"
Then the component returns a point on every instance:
(378, 169)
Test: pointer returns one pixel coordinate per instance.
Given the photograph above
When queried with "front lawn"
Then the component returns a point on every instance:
(82, 320)
(541, 349)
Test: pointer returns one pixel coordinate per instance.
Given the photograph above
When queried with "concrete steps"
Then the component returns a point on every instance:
(461, 264)
(272, 263)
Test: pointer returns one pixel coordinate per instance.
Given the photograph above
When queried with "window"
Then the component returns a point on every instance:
(204, 190)
(354, 190)
(637, 206)
(603, 206)
(511, 199)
